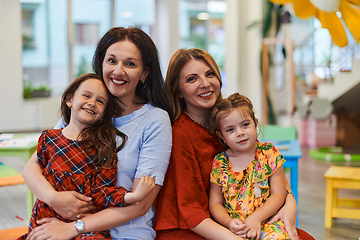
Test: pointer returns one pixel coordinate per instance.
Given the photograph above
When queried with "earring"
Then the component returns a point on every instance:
(143, 81)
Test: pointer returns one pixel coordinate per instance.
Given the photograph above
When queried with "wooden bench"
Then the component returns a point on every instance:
(335, 207)
(13, 233)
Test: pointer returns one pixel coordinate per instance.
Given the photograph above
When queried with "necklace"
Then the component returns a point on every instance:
(195, 120)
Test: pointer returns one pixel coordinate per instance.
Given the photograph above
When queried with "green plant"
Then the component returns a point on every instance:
(83, 66)
(28, 42)
(43, 87)
(27, 89)
(30, 89)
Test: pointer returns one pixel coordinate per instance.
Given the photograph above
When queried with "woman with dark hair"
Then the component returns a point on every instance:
(127, 60)
(151, 88)
(193, 83)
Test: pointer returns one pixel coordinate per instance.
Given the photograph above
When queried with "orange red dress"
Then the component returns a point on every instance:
(245, 192)
(182, 202)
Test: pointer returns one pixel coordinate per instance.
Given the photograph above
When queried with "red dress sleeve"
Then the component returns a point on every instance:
(41, 150)
(104, 192)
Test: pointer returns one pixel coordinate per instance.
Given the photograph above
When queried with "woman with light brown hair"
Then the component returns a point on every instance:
(182, 209)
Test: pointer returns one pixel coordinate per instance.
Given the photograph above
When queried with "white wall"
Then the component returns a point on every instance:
(17, 114)
(166, 31)
(243, 47)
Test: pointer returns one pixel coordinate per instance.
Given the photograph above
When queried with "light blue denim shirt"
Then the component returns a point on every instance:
(147, 151)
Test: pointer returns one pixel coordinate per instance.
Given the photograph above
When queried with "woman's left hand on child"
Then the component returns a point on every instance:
(71, 205)
(288, 215)
(53, 229)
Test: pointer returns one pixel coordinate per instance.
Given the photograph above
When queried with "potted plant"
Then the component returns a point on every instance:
(30, 91)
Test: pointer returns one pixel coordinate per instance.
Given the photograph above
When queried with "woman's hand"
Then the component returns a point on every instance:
(288, 215)
(67, 204)
(53, 229)
(71, 204)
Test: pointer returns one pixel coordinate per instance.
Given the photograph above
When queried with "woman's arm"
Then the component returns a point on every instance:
(212, 230)
(67, 204)
(113, 217)
(288, 214)
(219, 213)
(100, 221)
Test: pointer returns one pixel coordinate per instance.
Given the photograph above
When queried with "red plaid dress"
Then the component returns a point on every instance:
(68, 168)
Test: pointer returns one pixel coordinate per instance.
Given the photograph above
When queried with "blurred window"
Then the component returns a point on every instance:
(201, 26)
(46, 57)
(86, 33)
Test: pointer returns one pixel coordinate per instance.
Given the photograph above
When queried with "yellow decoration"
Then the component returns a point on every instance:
(326, 5)
(350, 13)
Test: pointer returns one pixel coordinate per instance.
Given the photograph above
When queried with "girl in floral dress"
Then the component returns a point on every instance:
(247, 180)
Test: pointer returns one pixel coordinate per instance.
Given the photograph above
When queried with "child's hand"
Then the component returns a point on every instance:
(144, 187)
(238, 227)
(254, 226)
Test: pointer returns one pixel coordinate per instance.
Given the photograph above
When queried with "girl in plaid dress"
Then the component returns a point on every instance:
(82, 156)
(247, 180)
(127, 61)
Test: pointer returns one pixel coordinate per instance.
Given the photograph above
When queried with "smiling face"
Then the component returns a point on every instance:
(198, 86)
(123, 69)
(88, 103)
(238, 131)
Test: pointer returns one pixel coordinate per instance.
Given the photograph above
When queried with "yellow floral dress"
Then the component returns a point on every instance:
(246, 191)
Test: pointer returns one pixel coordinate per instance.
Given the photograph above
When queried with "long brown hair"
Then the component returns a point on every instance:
(100, 137)
(224, 107)
(177, 62)
(152, 89)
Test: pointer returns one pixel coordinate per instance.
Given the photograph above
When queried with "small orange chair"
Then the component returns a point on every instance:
(13, 233)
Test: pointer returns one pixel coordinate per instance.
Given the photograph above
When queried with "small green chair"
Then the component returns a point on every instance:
(276, 132)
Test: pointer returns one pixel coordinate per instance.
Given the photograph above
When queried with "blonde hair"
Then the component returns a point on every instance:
(177, 62)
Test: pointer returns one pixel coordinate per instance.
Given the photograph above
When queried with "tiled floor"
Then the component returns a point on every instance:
(13, 198)
(312, 201)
